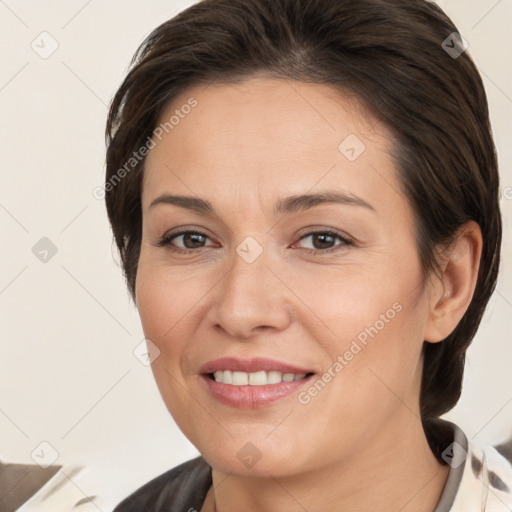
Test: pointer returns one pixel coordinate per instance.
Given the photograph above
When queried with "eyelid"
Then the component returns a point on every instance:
(312, 230)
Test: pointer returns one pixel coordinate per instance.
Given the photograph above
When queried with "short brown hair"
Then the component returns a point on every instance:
(391, 54)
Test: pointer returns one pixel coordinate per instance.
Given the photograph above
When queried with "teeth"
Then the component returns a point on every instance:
(240, 379)
(256, 378)
(274, 377)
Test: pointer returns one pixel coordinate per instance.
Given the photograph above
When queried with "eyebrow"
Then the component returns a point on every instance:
(285, 205)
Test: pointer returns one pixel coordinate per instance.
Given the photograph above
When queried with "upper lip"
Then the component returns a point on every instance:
(250, 365)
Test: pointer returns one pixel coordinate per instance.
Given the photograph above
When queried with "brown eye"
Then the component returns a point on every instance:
(322, 241)
(190, 240)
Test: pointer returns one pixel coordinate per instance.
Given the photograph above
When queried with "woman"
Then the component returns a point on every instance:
(305, 196)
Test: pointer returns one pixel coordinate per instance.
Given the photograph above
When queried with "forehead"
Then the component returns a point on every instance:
(263, 135)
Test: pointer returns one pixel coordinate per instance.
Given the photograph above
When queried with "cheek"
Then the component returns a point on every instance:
(363, 303)
(375, 322)
(381, 356)
(165, 300)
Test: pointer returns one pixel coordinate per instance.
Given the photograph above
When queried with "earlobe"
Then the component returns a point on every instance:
(453, 290)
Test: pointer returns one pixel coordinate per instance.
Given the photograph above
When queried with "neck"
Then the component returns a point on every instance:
(395, 471)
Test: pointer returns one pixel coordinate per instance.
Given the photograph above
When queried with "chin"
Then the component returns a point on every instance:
(259, 458)
(230, 465)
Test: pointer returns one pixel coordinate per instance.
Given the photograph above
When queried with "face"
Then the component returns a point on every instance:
(284, 296)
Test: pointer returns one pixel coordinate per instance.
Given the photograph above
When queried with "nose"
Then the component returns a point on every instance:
(251, 299)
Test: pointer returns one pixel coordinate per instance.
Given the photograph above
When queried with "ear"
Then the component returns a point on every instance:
(453, 290)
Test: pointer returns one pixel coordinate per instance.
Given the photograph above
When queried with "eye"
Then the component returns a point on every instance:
(190, 240)
(323, 241)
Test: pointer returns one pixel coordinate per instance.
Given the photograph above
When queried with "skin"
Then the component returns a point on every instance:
(358, 444)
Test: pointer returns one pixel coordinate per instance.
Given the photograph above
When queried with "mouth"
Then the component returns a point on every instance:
(252, 383)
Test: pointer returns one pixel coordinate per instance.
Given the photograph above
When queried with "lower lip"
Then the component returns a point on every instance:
(251, 397)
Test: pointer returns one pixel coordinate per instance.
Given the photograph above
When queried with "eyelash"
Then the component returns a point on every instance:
(167, 239)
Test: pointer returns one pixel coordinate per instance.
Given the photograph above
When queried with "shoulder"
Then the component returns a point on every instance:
(182, 488)
(486, 481)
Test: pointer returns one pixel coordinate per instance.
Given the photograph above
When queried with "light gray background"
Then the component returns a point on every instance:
(68, 375)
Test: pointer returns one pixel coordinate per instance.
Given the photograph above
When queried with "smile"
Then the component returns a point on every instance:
(254, 383)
